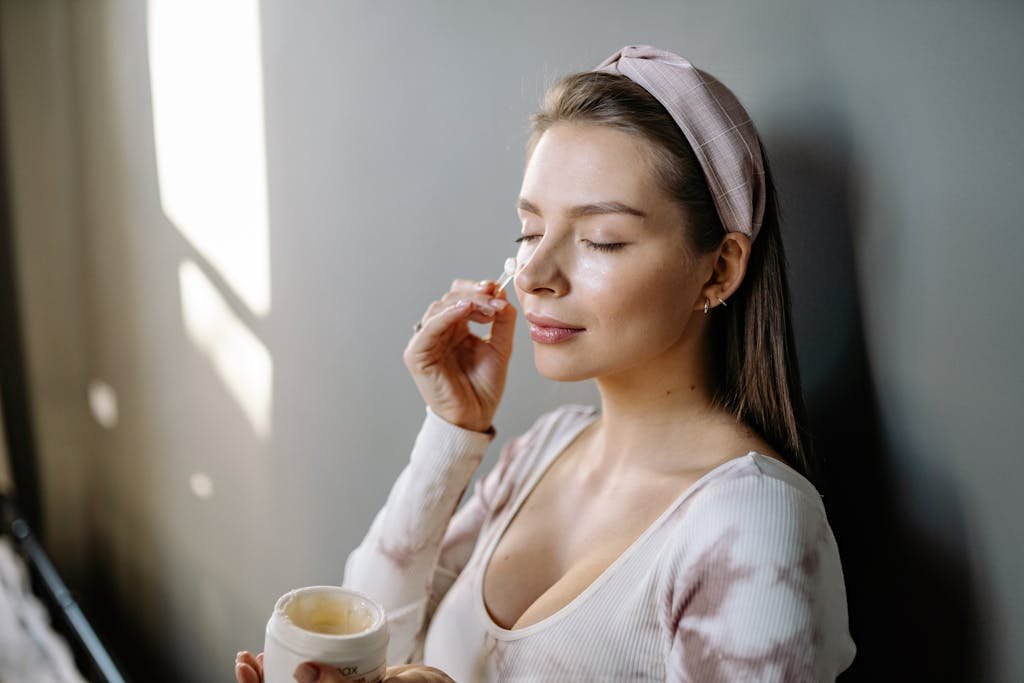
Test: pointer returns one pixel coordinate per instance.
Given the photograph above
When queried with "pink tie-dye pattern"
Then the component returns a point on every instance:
(704, 615)
(708, 583)
(750, 587)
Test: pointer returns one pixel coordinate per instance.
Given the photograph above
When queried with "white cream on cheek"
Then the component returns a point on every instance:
(625, 294)
(641, 295)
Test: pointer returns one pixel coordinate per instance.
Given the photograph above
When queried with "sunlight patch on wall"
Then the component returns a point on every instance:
(239, 358)
(103, 403)
(201, 485)
(207, 87)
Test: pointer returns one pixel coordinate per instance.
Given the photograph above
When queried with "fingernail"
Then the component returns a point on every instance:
(307, 673)
(462, 303)
(483, 284)
(499, 304)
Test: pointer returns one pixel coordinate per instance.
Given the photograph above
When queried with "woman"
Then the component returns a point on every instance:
(674, 534)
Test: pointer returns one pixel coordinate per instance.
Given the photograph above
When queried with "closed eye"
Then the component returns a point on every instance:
(604, 246)
(527, 238)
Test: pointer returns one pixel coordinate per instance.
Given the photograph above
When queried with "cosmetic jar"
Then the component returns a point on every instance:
(328, 625)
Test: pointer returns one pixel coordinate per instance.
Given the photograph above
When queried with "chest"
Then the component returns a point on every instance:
(616, 634)
(563, 538)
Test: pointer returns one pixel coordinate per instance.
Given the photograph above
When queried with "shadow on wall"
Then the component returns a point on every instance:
(913, 603)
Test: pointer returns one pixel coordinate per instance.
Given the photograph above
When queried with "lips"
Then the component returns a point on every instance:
(547, 330)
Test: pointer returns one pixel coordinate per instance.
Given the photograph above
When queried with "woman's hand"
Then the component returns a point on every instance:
(460, 375)
(249, 669)
(415, 673)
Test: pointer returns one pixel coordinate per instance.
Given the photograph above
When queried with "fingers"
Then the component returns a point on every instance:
(459, 373)
(415, 673)
(503, 330)
(442, 319)
(245, 674)
(311, 672)
(248, 669)
(478, 309)
(480, 293)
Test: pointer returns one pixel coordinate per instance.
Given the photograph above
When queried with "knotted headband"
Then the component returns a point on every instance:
(715, 124)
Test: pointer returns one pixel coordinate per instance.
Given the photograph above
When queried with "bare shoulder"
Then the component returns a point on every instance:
(736, 439)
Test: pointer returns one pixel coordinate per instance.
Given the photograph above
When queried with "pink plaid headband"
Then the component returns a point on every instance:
(715, 124)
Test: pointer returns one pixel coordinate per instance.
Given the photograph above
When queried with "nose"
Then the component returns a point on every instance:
(541, 269)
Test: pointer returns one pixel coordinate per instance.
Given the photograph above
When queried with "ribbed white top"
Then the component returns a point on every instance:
(738, 580)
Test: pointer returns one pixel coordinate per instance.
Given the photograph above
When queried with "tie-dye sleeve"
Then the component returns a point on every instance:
(756, 592)
(415, 547)
(395, 562)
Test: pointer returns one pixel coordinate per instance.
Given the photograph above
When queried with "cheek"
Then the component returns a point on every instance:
(638, 296)
(596, 276)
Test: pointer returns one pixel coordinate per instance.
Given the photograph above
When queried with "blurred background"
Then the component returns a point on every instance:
(220, 220)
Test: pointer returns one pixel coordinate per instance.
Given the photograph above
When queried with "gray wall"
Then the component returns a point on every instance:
(393, 138)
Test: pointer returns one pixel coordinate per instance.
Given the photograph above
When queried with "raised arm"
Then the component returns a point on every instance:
(415, 548)
(461, 378)
(395, 562)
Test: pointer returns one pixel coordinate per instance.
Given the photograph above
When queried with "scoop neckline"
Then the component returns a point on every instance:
(502, 633)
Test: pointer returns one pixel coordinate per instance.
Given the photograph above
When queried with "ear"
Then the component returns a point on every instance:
(728, 268)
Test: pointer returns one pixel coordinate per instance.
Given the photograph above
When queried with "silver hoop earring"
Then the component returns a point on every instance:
(707, 305)
(722, 302)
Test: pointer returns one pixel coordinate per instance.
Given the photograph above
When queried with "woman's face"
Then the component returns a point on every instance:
(609, 285)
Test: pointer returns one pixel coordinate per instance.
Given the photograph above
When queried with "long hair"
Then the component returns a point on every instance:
(753, 352)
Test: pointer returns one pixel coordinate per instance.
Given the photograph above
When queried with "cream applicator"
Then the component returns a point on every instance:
(506, 275)
(512, 268)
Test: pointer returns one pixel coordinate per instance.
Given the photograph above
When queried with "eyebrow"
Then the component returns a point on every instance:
(583, 210)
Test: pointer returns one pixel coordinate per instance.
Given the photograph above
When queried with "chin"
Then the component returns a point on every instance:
(561, 369)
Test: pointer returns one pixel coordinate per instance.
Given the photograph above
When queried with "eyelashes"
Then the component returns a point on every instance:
(596, 246)
(605, 246)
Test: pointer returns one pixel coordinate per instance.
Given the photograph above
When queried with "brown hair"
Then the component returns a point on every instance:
(753, 351)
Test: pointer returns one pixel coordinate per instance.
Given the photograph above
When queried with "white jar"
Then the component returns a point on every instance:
(329, 625)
